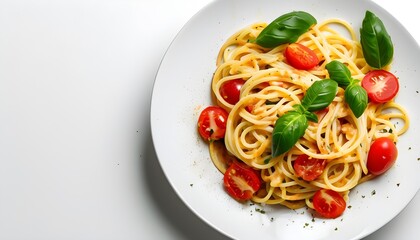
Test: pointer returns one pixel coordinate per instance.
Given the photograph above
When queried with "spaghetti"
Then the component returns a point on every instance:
(272, 87)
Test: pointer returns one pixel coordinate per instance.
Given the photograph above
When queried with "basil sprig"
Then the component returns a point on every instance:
(354, 94)
(292, 125)
(377, 46)
(287, 131)
(285, 29)
(319, 95)
(356, 97)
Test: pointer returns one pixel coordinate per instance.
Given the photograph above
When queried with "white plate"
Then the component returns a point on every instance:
(182, 90)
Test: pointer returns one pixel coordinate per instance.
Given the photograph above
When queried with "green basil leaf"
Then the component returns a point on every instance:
(339, 73)
(311, 116)
(320, 95)
(285, 29)
(287, 130)
(357, 99)
(299, 108)
(377, 46)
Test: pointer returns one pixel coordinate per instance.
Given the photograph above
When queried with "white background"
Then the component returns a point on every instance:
(76, 153)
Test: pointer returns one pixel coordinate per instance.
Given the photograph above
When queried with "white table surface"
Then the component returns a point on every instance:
(76, 153)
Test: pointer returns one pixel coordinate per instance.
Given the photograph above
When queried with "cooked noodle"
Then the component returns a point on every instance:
(272, 87)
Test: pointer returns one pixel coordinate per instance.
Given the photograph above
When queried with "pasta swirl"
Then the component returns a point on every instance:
(272, 87)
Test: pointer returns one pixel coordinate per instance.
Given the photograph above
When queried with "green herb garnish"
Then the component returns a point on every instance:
(285, 29)
(292, 125)
(355, 95)
(377, 46)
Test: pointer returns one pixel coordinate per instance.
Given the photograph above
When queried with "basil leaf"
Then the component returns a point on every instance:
(377, 46)
(285, 29)
(299, 108)
(357, 99)
(311, 116)
(287, 130)
(339, 72)
(354, 94)
(319, 95)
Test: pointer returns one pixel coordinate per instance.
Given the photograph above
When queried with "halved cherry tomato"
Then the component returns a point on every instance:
(382, 155)
(241, 181)
(231, 90)
(381, 85)
(329, 203)
(212, 123)
(300, 56)
(309, 168)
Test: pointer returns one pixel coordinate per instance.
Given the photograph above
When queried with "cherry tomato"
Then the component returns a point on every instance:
(212, 123)
(329, 203)
(241, 181)
(382, 155)
(309, 168)
(300, 56)
(231, 90)
(250, 108)
(381, 85)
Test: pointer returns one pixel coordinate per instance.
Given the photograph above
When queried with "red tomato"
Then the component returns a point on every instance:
(212, 123)
(329, 203)
(241, 181)
(250, 108)
(231, 90)
(301, 57)
(381, 86)
(382, 155)
(309, 168)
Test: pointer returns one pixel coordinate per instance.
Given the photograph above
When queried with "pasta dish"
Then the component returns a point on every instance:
(336, 141)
